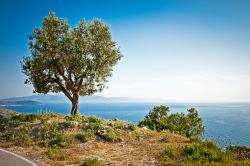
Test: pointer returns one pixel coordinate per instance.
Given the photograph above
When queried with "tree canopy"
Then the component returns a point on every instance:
(190, 124)
(73, 60)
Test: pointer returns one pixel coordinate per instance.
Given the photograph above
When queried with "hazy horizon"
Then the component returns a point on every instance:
(182, 51)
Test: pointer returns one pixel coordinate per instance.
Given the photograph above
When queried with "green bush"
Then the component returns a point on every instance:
(9, 136)
(131, 127)
(110, 137)
(84, 136)
(92, 162)
(94, 126)
(59, 140)
(240, 152)
(25, 117)
(199, 152)
(69, 124)
(190, 124)
(52, 135)
(168, 153)
(93, 119)
(211, 145)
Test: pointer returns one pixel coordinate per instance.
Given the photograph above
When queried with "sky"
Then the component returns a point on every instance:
(181, 51)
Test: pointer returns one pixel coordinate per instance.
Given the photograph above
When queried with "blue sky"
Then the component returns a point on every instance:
(175, 50)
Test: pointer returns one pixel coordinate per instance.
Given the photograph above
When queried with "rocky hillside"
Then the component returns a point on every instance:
(54, 139)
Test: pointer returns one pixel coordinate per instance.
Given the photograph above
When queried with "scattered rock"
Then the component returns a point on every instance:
(101, 132)
(75, 124)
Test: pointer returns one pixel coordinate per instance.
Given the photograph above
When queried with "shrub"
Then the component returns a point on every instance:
(56, 154)
(198, 152)
(24, 139)
(25, 117)
(110, 137)
(9, 136)
(240, 152)
(92, 162)
(190, 124)
(69, 124)
(84, 136)
(119, 125)
(94, 126)
(59, 139)
(211, 145)
(168, 153)
(93, 119)
(131, 127)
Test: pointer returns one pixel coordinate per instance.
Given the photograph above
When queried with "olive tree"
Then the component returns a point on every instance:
(73, 60)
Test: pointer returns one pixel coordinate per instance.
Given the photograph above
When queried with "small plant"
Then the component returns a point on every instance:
(25, 117)
(199, 152)
(168, 153)
(92, 162)
(240, 152)
(84, 136)
(93, 119)
(9, 136)
(24, 139)
(56, 154)
(59, 140)
(110, 136)
(131, 127)
(69, 124)
(211, 145)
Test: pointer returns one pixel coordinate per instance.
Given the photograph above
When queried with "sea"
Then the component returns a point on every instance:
(225, 123)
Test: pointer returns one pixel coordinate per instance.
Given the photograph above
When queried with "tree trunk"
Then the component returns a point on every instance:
(75, 105)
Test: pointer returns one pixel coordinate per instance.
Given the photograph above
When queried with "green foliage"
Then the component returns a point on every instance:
(53, 135)
(69, 124)
(207, 151)
(240, 152)
(94, 123)
(75, 61)
(168, 153)
(158, 119)
(84, 136)
(9, 136)
(25, 117)
(92, 162)
(93, 119)
(59, 139)
(158, 113)
(110, 137)
(131, 127)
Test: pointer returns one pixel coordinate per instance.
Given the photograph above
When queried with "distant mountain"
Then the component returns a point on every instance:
(58, 98)
(18, 102)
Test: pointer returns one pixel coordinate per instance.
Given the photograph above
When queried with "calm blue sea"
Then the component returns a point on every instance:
(224, 123)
